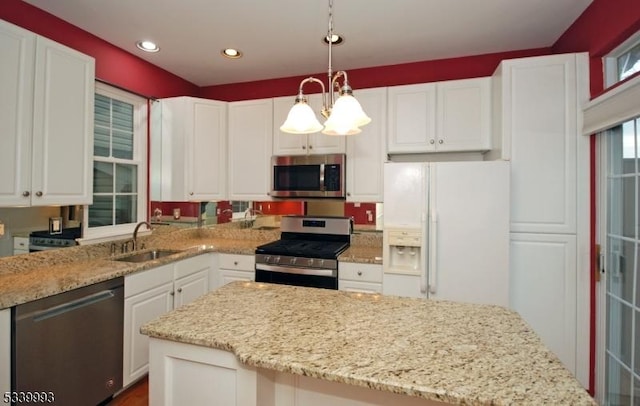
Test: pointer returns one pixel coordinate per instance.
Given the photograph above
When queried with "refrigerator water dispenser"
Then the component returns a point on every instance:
(403, 249)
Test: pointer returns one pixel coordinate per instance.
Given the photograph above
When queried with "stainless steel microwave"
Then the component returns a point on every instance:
(309, 176)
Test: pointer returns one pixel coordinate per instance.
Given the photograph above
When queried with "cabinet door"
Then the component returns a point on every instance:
(285, 143)
(464, 115)
(250, 146)
(539, 126)
(63, 126)
(412, 118)
(206, 154)
(319, 143)
(191, 287)
(138, 310)
(543, 281)
(366, 151)
(17, 47)
(229, 275)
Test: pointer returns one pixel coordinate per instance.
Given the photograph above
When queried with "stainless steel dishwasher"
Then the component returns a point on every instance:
(70, 345)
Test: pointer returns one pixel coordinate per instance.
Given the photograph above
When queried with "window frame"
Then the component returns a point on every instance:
(610, 62)
(140, 147)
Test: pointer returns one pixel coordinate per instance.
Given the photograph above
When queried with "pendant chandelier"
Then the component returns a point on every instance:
(344, 116)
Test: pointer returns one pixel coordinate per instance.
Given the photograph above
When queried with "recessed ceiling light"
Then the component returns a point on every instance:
(335, 39)
(147, 46)
(231, 53)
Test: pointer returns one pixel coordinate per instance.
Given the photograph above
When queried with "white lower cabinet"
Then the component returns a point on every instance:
(233, 267)
(20, 245)
(546, 264)
(152, 293)
(363, 278)
(5, 350)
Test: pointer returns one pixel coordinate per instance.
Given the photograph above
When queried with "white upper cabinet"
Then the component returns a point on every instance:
(366, 151)
(302, 144)
(451, 116)
(412, 118)
(47, 97)
(463, 120)
(188, 149)
(536, 107)
(250, 148)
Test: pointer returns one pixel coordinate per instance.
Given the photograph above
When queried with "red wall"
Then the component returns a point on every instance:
(113, 64)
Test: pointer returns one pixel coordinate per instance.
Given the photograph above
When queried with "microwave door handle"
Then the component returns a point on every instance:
(322, 187)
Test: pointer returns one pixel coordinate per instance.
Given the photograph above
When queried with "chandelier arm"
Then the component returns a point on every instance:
(325, 107)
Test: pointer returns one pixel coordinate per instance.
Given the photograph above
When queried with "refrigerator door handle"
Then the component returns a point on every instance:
(433, 249)
(424, 255)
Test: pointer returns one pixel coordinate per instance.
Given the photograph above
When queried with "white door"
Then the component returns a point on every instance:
(412, 118)
(191, 287)
(619, 340)
(469, 232)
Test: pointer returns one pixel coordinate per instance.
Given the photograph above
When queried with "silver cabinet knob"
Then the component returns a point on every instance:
(310, 146)
(39, 193)
(432, 141)
(235, 263)
(304, 147)
(440, 141)
(179, 290)
(359, 273)
(190, 193)
(26, 193)
(172, 293)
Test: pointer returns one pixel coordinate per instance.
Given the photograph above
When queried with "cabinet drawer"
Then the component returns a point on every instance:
(21, 243)
(192, 265)
(237, 262)
(360, 272)
(142, 281)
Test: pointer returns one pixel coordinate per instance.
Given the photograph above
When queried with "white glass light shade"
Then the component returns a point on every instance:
(301, 120)
(348, 105)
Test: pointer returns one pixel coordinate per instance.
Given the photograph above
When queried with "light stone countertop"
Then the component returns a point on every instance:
(438, 350)
(25, 278)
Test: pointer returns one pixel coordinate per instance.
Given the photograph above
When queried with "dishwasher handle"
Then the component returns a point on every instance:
(72, 305)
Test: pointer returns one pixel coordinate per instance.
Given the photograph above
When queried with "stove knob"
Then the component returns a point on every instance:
(293, 261)
(321, 262)
(310, 262)
(276, 260)
(267, 258)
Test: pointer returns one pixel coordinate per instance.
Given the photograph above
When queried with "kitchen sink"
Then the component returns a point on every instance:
(147, 256)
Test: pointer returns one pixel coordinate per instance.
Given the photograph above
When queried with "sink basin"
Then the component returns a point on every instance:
(147, 256)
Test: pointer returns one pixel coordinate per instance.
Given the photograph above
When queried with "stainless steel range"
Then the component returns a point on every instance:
(43, 240)
(306, 253)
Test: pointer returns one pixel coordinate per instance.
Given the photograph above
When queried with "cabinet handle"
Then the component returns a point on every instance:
(179, 290)
(304, 147)
(39, 193)
(190, 193)
(440, 141)
(235, 262)
(26, 193)
(172, 293)
(348, 193)
(432, 141)
(310, 146)
(359, 273)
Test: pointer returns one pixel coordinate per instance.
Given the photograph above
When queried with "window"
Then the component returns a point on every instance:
(623, 61)
(119, 163)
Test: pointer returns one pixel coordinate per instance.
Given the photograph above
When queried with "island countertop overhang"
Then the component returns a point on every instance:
(445, 351)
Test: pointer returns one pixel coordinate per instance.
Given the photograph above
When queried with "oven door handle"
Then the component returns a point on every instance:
(299, 271)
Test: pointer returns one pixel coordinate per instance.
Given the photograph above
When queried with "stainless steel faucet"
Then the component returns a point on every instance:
(135, 233)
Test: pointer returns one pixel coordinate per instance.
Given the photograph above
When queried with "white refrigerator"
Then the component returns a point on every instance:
(446, 231)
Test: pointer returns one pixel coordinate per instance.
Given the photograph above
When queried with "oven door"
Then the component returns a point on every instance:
(308, 176)
(296, 276)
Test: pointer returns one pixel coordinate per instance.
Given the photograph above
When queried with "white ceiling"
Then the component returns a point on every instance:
(282, 38)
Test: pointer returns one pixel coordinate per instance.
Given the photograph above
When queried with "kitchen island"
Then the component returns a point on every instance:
(259, 344)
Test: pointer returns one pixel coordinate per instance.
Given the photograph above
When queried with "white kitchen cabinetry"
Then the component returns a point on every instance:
(366, 152)
(302, 144)
(5, 350)
(364, 278)
(152, 293)
(47, 94)
(188, 149)
(250, 148)
(450, 116)
(233, 267)
(20, 245)
(537, 116)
